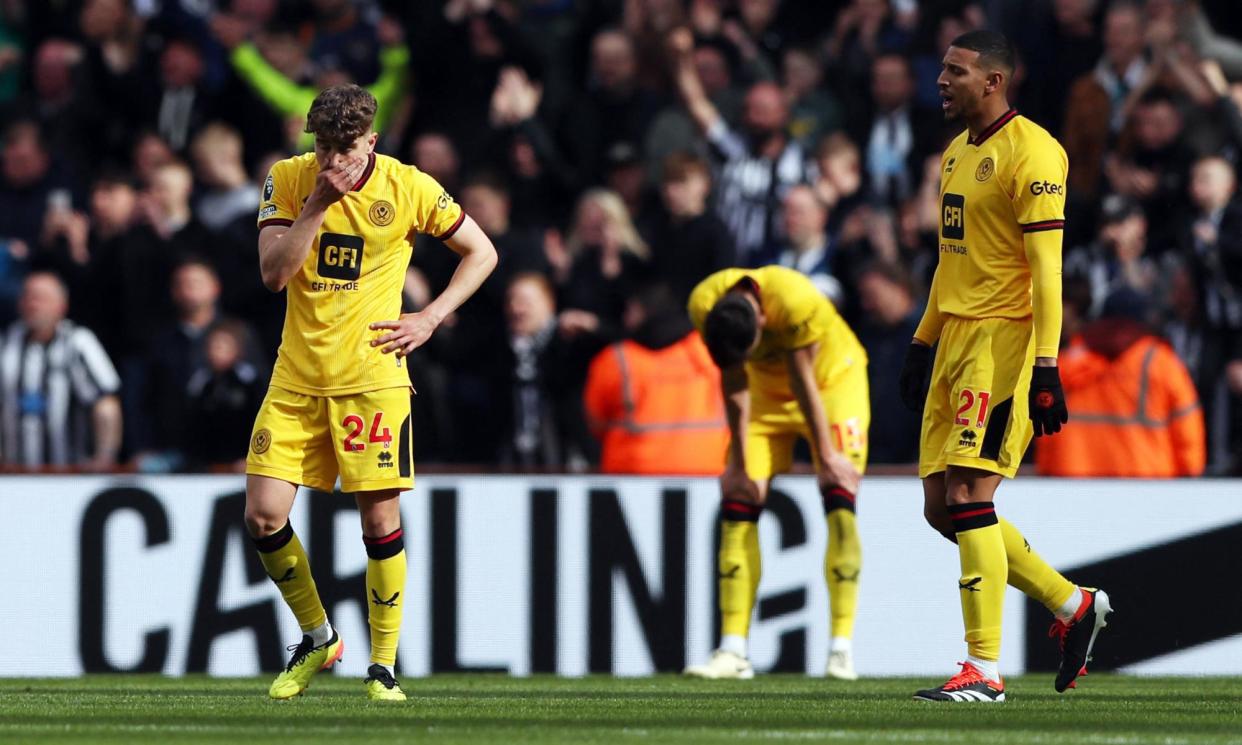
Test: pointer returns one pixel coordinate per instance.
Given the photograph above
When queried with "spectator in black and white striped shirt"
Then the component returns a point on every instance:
(756, 166)
(58, 389)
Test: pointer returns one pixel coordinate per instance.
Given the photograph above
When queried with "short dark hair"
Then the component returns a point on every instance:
(681, 164)
(992, 46)
(540, 280)
(341, 114)
(487, 179)
(236, 329)
(1158, 95)
(656, 297)
(112, 174)
(729, 329)
(195, 259)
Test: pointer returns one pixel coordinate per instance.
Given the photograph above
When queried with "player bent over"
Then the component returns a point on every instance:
(995, 309)
(790, 367)
(335, 229)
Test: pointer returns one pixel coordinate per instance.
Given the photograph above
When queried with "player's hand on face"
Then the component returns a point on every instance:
(334, 182)
(405, 335)
(735, 484)
(837, 470)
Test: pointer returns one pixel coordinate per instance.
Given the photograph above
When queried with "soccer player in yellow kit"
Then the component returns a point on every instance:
(335, 230)
(790, 367)
(995, 309)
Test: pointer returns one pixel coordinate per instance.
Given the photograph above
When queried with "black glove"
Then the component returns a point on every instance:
(913, 379)
(1048, 411)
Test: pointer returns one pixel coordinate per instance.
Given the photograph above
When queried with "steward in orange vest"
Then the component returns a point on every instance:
(1134, 409)
(654, 400)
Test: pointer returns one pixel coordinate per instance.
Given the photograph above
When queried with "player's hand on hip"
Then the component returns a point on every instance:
(405, 335)
(735, 484)
(1047, 401)
(334, 182)
(912, 382)
(837, 470)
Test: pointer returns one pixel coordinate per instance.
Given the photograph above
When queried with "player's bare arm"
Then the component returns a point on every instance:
(478, 259)
(735, 387)
(834, 469)
(283, 250)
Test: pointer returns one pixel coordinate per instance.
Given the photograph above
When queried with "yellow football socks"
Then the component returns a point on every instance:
(285, 561)
(740, 566)
(385, 585)
(842, 562)
(981, 547)
(1032, 575)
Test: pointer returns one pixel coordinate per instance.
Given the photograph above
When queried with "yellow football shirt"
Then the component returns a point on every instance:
(995, 192)
(354, 273)
(797, 315)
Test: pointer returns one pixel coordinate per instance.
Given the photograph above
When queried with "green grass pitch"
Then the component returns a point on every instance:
(1107, 710)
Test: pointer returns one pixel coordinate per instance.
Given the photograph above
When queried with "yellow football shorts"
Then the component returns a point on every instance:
(309, 440)
(976, 413)
(776, 423)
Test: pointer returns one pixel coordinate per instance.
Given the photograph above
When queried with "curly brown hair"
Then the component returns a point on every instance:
(341, 114)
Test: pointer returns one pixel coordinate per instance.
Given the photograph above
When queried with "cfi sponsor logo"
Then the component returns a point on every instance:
(985, 169)
(382, 213)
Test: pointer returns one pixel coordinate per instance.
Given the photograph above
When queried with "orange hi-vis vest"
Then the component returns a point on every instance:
(1136, 415)
(657, 411)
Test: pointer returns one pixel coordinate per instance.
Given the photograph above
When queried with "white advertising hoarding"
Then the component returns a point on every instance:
(574, 575)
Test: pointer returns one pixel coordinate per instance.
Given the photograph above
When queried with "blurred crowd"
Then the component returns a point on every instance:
(617, 152)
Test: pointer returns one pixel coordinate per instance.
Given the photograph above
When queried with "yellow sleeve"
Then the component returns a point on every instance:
(434, 212)
(928, 331)
(277, 203)
(1039, 205)
(806, 311)
(1043, 252)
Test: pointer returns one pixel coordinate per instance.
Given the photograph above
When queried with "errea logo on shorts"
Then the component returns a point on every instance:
(968, 439)
(1046, 187)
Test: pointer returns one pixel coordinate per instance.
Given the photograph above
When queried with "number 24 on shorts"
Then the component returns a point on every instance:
(968, 399)
(355, 424)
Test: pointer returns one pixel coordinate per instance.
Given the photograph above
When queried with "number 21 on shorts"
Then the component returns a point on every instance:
(968, 401)
(355, 424)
